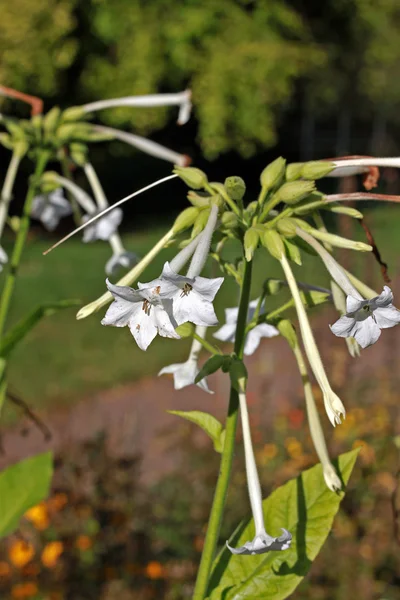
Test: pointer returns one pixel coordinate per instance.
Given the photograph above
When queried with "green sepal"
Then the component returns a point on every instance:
(193, 177)
(292, 251)
(200, 222)
(186, 219)
(287, 330)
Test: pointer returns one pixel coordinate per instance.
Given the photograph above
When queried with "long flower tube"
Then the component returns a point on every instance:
(147, 146)
(333, 405)
(181, 99)
(5, 199)
(82, 197)
(262, 541)
(345, 163)
(317, 435)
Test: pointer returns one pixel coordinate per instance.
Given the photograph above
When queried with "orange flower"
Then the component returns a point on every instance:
(58, 501)
(83, 542)
(21, 553)
(293, 447)
(5, 570)
(39, 516)
(154, 570)
(51, 553)
(24, 590)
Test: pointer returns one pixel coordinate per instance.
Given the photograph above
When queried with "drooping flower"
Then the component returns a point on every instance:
(103, 228)
(191, 297)
(143, 311)
(120, 260)
(227, 332)
(185, 373)
(262, 541)
(364, 319)
(3, 258)
(50, 208)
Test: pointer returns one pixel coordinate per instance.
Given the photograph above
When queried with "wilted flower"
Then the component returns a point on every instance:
(191, 297)
(263, 542)
(103, 228)
(185, 373)
(50, 208)
(365, 318)
(143, 311)
(227, 332)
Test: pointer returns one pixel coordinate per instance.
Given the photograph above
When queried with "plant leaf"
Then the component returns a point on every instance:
(210, 366)
(304, 506)
(24, 325)
(207, 422)
(22, 486)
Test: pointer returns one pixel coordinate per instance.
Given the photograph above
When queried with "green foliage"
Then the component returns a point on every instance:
(207, 422)
(21, 486)
(23, 327)
(306, 507)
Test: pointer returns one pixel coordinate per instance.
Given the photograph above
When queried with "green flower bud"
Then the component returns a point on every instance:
(78, 153)
(200, 222)
(292, 252)
(51, 120)
(238, 375)
(311, 298)
(315, 169)
(14, 223)
(194, 178)
(73, 113)
(340, 242)
(235, 187)
(229, 220)
(272, 241)
(343, 210)
(287, 330)
(210, 366)
(272, 176)
(185, 330)
(293, 171)
(186, 219)
(251, 239)
(251, 209)
(199, 200)
(21, 148)
(272, 286)
(294, 191)
(6, 141)
(287, 227)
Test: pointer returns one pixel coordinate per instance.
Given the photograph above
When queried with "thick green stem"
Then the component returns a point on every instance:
(8, 290)
(221, 489)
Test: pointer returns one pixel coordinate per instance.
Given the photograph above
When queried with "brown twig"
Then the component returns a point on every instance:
(31, 415)
(361, 196)
(35, 102)
(375, 250)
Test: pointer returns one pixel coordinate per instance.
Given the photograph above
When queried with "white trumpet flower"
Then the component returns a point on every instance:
(50, 208)
(103, 228)
(3, 258)
(143, 311)
(185, 373)
(333, 405)
(181, 99)
(364, 319)
(227, 332)
(262, 541)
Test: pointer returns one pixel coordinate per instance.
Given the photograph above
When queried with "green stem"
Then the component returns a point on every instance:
(8, 290)
(212, 349)
(221, 489)
(6, 192)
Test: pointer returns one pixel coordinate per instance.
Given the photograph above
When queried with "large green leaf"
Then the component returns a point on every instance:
(20, 329)
(21, 486)
(304, 506)
(207, 422)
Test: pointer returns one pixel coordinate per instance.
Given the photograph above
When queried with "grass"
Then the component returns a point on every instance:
(62, 359)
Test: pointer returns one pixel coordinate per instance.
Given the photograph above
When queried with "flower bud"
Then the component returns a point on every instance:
(229, 220)
(78, 153)
(251, 239)
(340, 242)
(73, 113)
(294, 191)
(251, 209)
(272, 241)
(6, 141)
(287, 227)
(287, 330)
(293, 171)
(315, 169)
(51, 120)
(185, 330)
(292, 252)
(235, 187)
(193, 177)
(272, 176)
(21, 148)
(185, 219)
(272, 287)
(199, 200)
(200, 222)
(344, 210)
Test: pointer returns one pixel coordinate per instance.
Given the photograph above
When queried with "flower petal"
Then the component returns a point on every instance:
(163, 323)
(194, 308)
(264, 543)
(143, 328)
(344, 326)
(226, 333)
(384, 299)
(366, 332)
(254, 336)
(207, 287)
(387, 316)
(352, 304)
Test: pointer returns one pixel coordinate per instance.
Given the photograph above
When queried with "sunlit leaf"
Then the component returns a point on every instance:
(22, 486)
(304, 506)
(207, 422)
